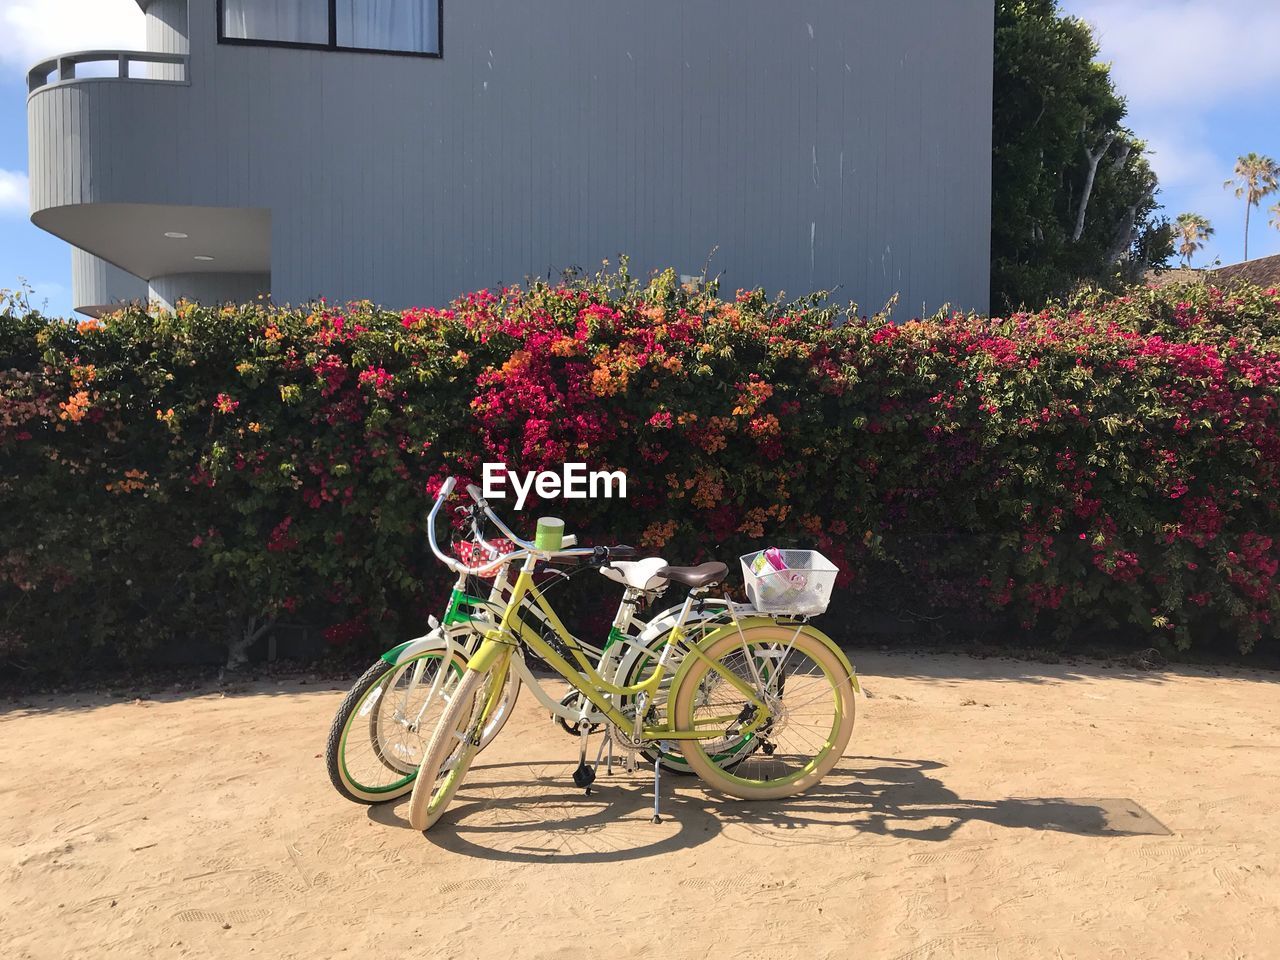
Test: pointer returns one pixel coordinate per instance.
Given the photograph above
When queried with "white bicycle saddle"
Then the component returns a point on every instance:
(636, 574)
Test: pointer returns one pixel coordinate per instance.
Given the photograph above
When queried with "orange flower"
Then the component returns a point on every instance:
(657, 535)
(76, 407)
(753, 524)
(710, 489)
(565, 347)
(517, 362)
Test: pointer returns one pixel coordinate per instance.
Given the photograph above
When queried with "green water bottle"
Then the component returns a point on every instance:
(550, 533)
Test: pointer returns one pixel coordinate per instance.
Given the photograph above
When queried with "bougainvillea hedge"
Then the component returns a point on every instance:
(1110, 465)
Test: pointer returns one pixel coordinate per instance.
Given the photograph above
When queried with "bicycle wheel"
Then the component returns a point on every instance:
(812, 714)
(455, 743)
(380, 731)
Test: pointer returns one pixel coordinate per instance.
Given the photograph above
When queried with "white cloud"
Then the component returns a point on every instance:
(35, 29)
(1180, 154)
(1186, 53)
(13, 192)
(1201, 78)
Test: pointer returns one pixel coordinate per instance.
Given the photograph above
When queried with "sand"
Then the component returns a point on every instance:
(985, 809)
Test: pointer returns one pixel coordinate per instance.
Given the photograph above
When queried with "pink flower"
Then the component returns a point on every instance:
(224, 404)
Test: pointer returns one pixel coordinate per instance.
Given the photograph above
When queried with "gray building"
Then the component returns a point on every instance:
(409, 150)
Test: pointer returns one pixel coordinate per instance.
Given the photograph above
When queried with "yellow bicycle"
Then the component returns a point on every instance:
(760, 704)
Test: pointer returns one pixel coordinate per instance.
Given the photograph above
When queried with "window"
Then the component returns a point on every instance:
(379, 26)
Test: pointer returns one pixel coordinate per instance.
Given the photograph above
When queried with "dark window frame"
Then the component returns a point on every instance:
(332, 46)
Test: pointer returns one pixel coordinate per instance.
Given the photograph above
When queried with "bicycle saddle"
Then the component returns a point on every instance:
(637, 574)
(703, 575)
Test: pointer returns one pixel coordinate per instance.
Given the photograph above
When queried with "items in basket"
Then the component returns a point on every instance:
(793, 582)
(780, 580)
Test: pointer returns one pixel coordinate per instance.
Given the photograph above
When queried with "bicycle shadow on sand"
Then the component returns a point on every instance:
(535, 815)
(905, 800)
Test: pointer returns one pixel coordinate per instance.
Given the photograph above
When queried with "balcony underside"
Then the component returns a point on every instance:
(132, 236)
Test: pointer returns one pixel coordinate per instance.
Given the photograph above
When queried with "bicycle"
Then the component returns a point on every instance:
(376, 740)
(734, 692)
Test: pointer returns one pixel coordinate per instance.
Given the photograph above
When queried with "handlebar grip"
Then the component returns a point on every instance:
(623, 553)
(476, 494)
(570, 540)
(447, 487)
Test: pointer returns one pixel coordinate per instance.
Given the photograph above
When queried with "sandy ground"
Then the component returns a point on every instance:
(985, 809)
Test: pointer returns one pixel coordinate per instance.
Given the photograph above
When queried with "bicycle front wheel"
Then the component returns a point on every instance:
(809, 695)
(457, 739)
(378, 735)
(381, 730)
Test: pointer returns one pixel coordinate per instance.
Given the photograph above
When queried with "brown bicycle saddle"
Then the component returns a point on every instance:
(703, 575)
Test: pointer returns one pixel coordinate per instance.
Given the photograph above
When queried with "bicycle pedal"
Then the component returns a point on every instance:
(584, 776)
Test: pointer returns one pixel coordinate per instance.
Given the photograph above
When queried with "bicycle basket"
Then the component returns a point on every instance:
(803, 588)
(476, 555)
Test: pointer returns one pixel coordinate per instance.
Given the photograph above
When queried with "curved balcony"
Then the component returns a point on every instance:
(127, 169)
(89, 65)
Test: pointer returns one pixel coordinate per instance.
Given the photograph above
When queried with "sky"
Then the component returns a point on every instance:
(1202, 78)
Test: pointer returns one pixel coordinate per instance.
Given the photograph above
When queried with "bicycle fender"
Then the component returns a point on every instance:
(752, 623)
(411, 648)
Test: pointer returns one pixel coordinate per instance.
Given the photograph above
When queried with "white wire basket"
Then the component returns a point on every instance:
(803, 589)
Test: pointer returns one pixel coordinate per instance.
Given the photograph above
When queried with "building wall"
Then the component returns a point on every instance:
(166, 33)
(809, 144)
(208, 288)
(100, 286)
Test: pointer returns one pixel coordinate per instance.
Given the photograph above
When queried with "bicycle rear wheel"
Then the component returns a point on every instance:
(456, 741)
(811, 715)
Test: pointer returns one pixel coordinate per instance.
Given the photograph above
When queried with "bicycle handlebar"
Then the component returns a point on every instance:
(526, 548)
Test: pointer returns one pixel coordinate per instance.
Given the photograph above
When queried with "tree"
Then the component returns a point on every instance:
(1256, 177)
(1274, 210)
(1191, 231)
(1074, 196)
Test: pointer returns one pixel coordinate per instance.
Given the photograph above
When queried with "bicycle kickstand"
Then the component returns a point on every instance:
(584, 776)
(657, 783)
(605, 745)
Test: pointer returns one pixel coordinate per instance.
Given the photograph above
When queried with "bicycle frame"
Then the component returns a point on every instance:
(501, 641)
(465, 608)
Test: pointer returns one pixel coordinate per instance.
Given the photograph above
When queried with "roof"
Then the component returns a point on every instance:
(1265, 272)
(1163, 278)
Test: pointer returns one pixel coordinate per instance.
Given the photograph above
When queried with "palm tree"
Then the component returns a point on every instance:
(1192, 230)
(1275, 215)
(1256, 177)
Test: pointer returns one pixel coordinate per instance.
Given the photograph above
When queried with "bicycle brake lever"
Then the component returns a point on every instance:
(544, 567)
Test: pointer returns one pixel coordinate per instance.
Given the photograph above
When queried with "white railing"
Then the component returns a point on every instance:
(117, 63)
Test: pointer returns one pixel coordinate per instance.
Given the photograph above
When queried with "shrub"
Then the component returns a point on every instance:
(1105, 465)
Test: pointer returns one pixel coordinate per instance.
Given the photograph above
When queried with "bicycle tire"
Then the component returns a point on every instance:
(803, 687)
(455, 739)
